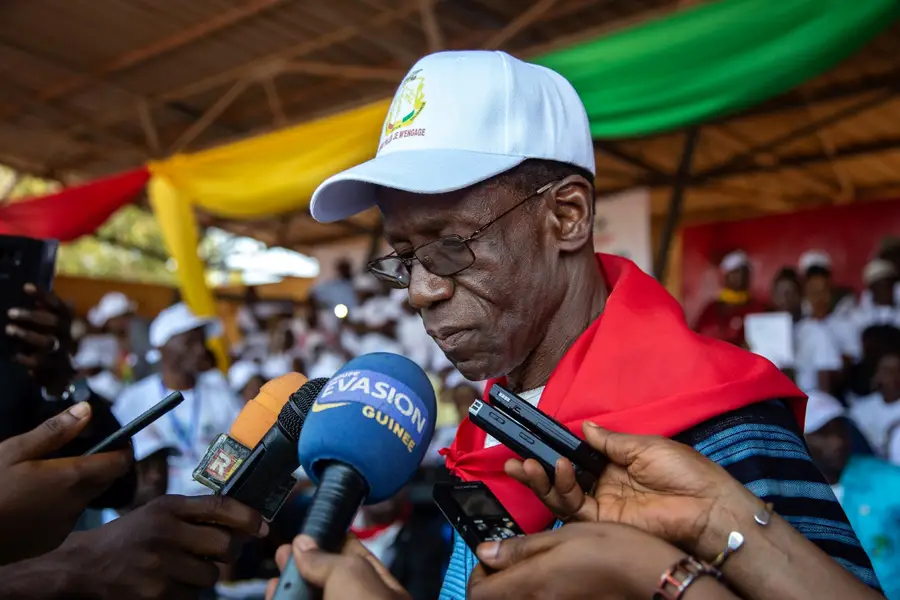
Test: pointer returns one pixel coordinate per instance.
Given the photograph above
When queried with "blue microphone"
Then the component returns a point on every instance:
(363, 440)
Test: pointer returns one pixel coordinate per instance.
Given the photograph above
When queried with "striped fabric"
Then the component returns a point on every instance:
(762, 447)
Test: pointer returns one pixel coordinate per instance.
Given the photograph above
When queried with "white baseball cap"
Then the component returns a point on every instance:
(96, 351)
(734, 260)
(877, 270)
(814, 258)
(178, 319)
(459, 118)
(112, 305)
(241, 372)
(821, 409)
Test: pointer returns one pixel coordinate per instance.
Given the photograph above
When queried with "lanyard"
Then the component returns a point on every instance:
(187, 437)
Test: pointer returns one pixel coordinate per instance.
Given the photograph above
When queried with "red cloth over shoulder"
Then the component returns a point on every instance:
(638, 368)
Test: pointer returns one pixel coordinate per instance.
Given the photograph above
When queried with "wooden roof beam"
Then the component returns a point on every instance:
(181, 38)
(343, 71)
(519, 24)
(430, 25)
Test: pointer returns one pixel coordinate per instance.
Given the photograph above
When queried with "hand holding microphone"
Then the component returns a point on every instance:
(164, 550)
(354, 573)
(363, 440)
(41, 500)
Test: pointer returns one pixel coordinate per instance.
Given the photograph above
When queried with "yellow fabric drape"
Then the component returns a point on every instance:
(254, 178)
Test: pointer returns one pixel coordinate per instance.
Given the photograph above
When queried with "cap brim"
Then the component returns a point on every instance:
(417, 171)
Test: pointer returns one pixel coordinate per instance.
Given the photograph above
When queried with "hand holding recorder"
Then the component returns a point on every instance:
(41, 500)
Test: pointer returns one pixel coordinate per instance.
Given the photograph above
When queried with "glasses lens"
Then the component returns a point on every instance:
(446, 256)
(390, 270)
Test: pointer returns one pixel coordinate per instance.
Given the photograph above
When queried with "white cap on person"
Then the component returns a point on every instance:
(814, 258)
(175, 320)
(878, 269)
(734, 260)
(821, 409)
(241, 372)
(459, 118)
(112, 305)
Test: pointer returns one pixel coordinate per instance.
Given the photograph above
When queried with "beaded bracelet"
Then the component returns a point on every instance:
(680, 576)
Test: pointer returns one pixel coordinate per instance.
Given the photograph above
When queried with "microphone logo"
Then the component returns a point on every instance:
(320, 406)
(222, 458)
(222, 465)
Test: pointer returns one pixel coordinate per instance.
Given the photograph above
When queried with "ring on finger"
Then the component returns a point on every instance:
(55, 347)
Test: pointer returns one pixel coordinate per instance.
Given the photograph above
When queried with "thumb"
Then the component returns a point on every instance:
(506, 553)
(619, 448)
(314, 565)
(51, 435)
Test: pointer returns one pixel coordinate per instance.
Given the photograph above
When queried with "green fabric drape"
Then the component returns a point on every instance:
(712, 60)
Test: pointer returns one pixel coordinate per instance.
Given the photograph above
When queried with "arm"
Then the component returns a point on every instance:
(775, 561)
(762, 448)
(34, 579)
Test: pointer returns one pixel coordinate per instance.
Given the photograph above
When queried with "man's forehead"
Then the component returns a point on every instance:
(404, 212)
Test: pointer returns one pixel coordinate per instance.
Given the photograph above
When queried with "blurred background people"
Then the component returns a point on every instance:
(723, 318)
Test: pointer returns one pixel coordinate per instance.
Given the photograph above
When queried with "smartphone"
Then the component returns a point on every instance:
(523, 442)
(114, 441)
(22, 260)
(474, 512)
(552, 432)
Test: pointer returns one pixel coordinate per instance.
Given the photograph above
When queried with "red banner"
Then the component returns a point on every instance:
(75, 211)
(851, 234)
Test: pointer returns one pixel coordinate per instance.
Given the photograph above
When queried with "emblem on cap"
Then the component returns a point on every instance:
(407, 104)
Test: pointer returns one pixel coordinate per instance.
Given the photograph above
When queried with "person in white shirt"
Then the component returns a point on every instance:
(878, 306)
(245, 379)
(818, 262)
(95, 361)
(209, 408)
(818, 355)
(878, 414)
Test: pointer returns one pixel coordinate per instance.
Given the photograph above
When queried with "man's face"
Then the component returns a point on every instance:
(786, 296)
(738, 279)
(829, 448)
(187, 351)
(818, 294)
(887, 377)
(883, 291)
(251, 390)
(488, 318)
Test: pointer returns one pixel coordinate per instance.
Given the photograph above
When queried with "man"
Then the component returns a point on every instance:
(817, 342)
(878, 414)
(96, 362)
(868, 488)
(878, 304)
(115, 315)
(723, 318)
(487, 200)
(818, 263)
(209, 406)
(245, 379)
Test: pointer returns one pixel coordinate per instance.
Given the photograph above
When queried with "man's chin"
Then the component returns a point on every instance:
(478, 368)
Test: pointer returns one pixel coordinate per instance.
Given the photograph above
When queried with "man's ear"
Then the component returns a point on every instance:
(571, 202)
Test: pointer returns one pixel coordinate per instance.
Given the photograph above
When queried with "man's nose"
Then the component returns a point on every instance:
(426, 288)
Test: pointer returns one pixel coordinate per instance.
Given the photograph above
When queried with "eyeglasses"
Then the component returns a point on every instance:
(445, 256)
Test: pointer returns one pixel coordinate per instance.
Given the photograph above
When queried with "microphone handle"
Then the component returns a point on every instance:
(340, 493)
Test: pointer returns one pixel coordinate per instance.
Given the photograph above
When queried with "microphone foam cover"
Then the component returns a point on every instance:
(376, 415)
(260, 413)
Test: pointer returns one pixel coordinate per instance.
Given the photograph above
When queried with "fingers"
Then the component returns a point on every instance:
(283, 555)
(45, 298)
(39, 318)
(43, 342)
(314, 565)
(504, 554)
(88, 473)
(564, 497)
(620, 448)
(218, 510)
(207, 541)
(51, 435)
(353, 547)
(191, 570)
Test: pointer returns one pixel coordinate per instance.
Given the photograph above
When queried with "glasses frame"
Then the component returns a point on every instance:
(410, 257)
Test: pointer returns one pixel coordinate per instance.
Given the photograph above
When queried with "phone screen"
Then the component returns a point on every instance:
(478, 503)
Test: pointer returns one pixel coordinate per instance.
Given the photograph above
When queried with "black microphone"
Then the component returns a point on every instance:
(364, 440)
(261, 478)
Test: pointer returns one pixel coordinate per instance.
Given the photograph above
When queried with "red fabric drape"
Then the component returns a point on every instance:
(75, 211)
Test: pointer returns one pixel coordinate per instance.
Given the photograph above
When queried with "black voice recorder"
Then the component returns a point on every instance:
(475, 513)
